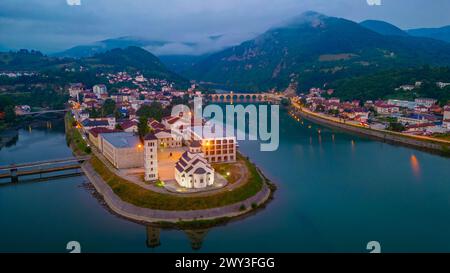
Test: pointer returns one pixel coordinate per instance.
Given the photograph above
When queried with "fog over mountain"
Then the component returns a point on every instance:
(191, 27)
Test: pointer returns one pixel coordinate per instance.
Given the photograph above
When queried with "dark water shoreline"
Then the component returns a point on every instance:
(390, 138)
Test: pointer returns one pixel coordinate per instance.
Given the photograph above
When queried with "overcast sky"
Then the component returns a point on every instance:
(53, 25)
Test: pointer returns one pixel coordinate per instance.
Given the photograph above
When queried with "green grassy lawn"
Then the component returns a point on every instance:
(443, 136)
(230, 171)
(74, 137)
(141, 197)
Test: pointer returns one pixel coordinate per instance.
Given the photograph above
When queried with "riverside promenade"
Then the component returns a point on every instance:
(420, 142)
(140, 214)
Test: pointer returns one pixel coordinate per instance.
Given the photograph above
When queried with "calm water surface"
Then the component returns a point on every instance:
(336, 192)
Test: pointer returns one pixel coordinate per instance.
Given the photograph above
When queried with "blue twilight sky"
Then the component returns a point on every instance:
(53, 25)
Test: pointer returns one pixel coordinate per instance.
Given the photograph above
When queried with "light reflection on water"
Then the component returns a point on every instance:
(415, 166)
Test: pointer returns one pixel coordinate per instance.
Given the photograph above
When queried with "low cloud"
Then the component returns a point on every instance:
(209, 24)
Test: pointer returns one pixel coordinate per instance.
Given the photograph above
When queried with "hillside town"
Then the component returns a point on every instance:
(168, 151)
(423, 116)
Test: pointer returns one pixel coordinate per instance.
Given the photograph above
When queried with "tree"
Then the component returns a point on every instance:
(118, 127)
(93, 113)
(117, 114)
(143, 128)
(396, 127)
(154, 110)
(108, 108)
(10, 115)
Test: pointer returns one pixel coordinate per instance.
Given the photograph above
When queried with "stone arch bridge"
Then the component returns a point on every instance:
(244, 97)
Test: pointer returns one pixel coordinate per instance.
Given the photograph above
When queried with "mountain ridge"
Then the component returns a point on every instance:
(383, 28)
(313, 50)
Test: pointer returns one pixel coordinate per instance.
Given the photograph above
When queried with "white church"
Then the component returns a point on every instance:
(193, 170)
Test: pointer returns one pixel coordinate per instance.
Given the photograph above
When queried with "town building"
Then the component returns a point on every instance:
(386, 109)
(417, 119)
(129, 126)
(109, 123)
(124, 150)
(155, 125)
(446, 118)
(168, 140)
(75, 89)
(403, 103)
(419, 128)
(99, 90)
(442, 85)
(216, 147)
(94, 133)
(425, 102)
(406, 87)
(22, 109)
(193, 170)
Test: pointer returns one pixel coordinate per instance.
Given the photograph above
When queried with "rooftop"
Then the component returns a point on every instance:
(122, 140)
(101, 130)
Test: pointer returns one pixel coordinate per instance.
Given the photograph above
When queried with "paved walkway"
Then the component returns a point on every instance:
(136, 179)
(151, 215)
(151, 186)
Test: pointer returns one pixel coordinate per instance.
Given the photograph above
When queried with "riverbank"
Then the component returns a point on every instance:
(162, 208)
(439, 146)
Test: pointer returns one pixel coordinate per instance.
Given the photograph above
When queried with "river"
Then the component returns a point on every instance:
(336, 192)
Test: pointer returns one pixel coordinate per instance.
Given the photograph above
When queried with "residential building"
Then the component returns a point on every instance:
(425, 102)
(129, 126)
(99, 90)
(155, 125)
(109, 123)
(407, 87)
(168, 140)
(386, 109)
(403, 103)
(22, 109)
(75, 89)
(442, 85)
(419, 128)
(446, 119)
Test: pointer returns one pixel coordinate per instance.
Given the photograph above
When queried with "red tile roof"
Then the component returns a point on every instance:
(128, 123)
(102, 130)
